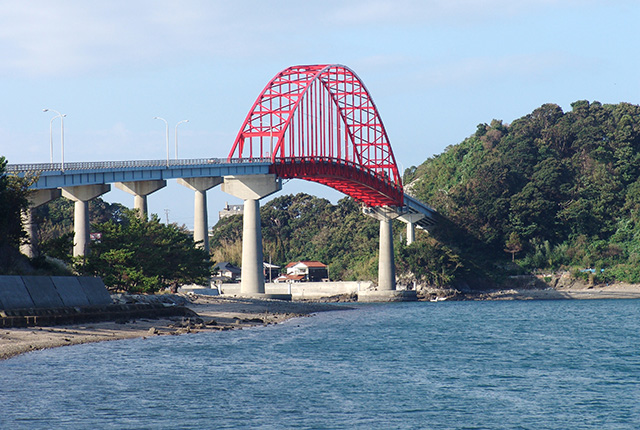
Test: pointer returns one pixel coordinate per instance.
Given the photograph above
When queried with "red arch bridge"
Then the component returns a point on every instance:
(313, 122)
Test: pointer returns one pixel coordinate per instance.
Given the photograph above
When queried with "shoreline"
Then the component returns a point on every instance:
(214, 314)
(219, 313)
(574, 291)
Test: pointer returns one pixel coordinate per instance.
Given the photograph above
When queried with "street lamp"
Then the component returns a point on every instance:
(167, 127)
(184, 120)
(61, 135)
(51, 138)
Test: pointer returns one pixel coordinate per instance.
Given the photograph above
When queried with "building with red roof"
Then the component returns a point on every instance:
(311, 271)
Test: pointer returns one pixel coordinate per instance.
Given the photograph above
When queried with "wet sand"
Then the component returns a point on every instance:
(214, 314)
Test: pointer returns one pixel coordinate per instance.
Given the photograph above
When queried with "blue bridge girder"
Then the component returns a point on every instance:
(415, 206)
(49, 176)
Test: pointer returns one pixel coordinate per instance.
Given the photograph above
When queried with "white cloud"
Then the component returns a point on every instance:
(72, 37)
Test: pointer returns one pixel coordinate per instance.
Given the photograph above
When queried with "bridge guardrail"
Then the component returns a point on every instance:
(125, 164)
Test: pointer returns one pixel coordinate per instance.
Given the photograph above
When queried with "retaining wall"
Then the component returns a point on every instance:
(49, 292)
(304, 290)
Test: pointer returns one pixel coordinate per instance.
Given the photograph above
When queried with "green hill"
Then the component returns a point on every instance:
(557, 190)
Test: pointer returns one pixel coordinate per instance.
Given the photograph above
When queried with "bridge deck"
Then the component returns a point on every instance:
(415, 206)
(52, 175)
(48, 176)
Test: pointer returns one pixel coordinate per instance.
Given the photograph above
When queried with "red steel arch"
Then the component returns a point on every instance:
(319, 123)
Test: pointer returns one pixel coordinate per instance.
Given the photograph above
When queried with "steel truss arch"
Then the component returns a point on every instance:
(319, 123)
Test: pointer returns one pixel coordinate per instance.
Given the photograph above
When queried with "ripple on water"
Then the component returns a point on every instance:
(532, 364)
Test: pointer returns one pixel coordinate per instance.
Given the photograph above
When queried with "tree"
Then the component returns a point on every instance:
(13, 200)
(430, 262)
(513, 245)
(139, 255)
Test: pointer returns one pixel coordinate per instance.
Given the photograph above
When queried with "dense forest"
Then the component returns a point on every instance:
(554, 190)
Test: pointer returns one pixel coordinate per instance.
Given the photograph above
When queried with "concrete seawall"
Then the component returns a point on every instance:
(27, 301)
(305, 290)
(46, 292)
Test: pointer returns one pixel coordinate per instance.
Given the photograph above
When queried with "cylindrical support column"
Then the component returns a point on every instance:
(80, 227)
(140, 205)
(252, 271)
(411, 233)
(200, 215)
(386, 263)
(81, 195)
(200, 224)
(140, 190)
(36, 198)
(29, 248)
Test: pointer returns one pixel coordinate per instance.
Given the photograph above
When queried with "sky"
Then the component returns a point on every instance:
(435, 69)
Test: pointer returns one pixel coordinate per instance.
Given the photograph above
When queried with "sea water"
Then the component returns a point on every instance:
(447, 365)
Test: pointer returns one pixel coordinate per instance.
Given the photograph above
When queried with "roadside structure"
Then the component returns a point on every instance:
(311, 271)
(227, 270)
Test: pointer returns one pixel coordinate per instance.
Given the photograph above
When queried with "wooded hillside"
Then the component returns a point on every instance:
(554, 189)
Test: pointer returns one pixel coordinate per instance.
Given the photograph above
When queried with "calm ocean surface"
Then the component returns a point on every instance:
(447, 365)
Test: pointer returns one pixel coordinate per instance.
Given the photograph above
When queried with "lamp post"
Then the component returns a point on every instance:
(61, 116)
(51, 138)
(167, 127)
(176, 135)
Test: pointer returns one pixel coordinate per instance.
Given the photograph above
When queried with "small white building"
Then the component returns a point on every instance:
(311, 271)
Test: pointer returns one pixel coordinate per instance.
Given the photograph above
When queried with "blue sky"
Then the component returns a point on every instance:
(435, 69)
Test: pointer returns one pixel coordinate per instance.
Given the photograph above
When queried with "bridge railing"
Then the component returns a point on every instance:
(126, 164)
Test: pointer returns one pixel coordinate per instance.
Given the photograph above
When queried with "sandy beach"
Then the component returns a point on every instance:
(214, 314)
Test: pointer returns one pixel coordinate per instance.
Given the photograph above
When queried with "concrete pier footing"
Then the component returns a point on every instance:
(386, 263)
(252, 281)
(140, 191)
(411, 220)
(81, 196)
(387, 296)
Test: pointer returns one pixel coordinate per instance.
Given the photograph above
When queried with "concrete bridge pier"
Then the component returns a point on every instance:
(81, 195)
(140, 191)
(386, 291)
(36, 198)
(411, 220)
(251, 189)
(200, 217)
